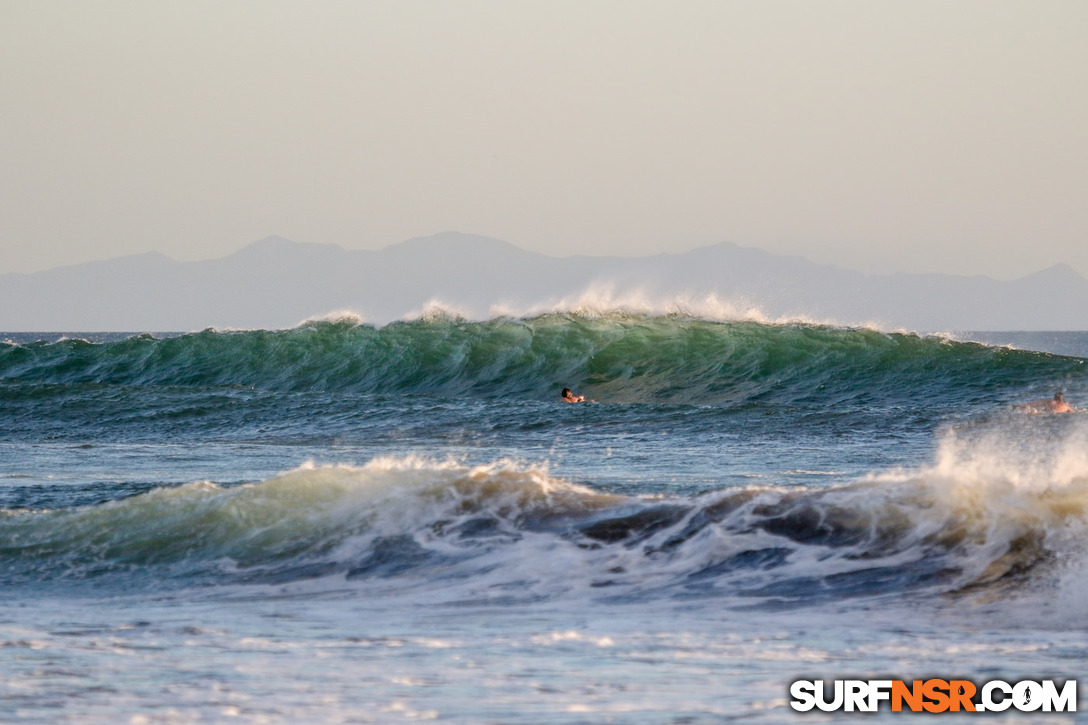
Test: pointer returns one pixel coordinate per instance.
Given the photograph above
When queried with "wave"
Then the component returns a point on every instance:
(605, 300)
(614, 357)
(985, 519)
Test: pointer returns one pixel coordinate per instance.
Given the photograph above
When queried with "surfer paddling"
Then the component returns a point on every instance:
(1057, 405)
(570, 397)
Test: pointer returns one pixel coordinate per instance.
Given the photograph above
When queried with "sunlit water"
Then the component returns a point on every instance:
(380, 545)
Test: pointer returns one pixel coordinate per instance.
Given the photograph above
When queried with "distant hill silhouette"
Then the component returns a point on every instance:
(277, 283)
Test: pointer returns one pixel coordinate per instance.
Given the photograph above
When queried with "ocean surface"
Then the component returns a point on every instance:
(348, 523)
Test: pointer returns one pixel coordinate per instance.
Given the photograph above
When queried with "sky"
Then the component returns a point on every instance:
(921, 136)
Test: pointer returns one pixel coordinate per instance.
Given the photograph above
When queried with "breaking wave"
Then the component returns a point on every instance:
(986, 518)
(615, 357)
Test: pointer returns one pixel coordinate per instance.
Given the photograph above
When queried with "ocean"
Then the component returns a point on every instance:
(344, 523)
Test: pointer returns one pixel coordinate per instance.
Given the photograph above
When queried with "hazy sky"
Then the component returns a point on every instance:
(946, 136)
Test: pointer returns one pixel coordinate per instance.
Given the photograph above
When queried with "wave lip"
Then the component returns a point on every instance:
(603, 300)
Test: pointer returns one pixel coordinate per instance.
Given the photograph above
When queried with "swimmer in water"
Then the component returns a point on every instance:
(1057, 405)
(570, 397)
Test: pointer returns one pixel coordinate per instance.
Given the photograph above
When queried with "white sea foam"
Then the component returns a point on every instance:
(952, 501)
(505, 531)
(1031, 454)
(603, 298)
(1017, 488)
(600, 299)
(435, 309)
(336, 316)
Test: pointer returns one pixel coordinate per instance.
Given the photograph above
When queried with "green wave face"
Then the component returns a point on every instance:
(612, 358)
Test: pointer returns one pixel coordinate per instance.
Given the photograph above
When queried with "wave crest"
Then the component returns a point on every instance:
(612, 356)
(509, 532)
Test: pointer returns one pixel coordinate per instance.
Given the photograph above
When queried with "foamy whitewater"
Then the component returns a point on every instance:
(344, 522)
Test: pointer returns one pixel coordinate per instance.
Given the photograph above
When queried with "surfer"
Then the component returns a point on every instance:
(570, 397)
(1057, 405)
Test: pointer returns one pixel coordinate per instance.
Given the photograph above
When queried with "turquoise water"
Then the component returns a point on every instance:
(347, 523)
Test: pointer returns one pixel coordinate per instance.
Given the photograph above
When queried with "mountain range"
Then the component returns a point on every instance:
(275, 283)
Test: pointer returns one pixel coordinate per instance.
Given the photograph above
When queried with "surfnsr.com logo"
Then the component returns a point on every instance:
(933, 695)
